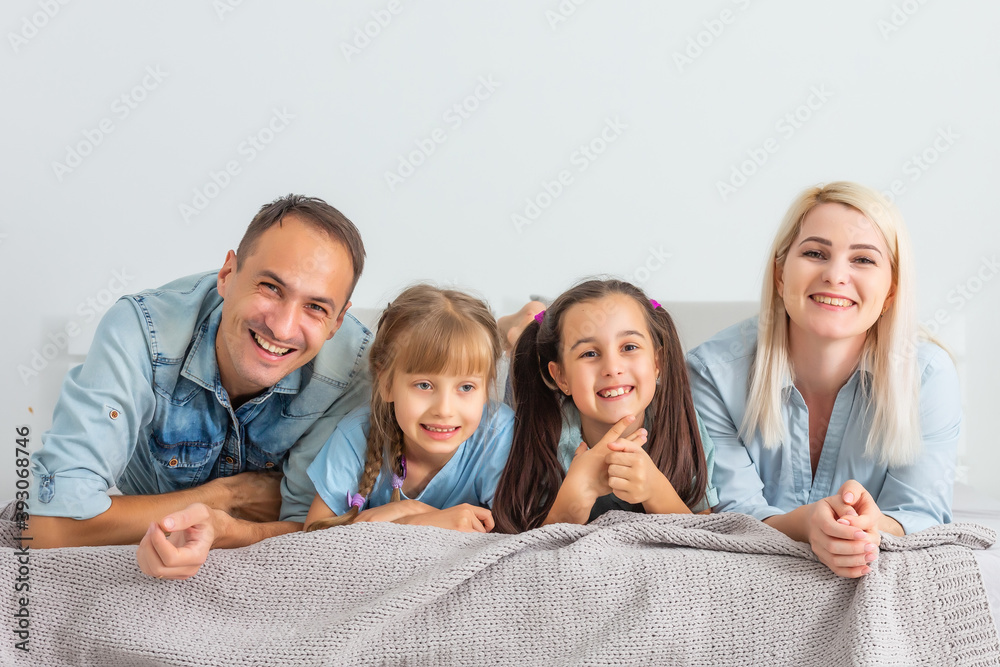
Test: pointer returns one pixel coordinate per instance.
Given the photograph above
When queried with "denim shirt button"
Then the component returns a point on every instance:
(229, 459)
(173, 463)
(269, 464)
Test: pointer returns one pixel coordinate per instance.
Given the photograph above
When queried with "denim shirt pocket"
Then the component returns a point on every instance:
(183, 464)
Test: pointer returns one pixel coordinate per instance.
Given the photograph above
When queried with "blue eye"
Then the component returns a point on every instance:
(423, 386)
(466, 388)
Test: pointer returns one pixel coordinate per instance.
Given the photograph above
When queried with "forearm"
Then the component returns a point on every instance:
(125, 522)
(570, 506)
(887, 524)
(240, 533)
(665, 500)
(794, 524)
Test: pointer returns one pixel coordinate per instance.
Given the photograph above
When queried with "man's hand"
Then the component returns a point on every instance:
(179, 545)
(253, 496)
(465, 518)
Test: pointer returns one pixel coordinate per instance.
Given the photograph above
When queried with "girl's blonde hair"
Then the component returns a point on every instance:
(424, 330)
(888, 360)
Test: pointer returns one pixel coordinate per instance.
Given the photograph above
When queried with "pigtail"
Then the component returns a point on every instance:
(533, 474)
(675, 443)
(369, 475)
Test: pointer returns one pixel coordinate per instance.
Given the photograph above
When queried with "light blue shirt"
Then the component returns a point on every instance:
(763, 482)
(147, 411)
(469, 476)
(572, 436)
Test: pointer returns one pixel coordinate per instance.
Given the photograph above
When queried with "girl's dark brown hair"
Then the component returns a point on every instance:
(533, 474)
(424, 330)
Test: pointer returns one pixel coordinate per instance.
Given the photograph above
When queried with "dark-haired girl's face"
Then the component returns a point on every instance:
(608, 363)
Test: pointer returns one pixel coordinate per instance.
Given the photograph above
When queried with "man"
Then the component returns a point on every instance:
(194, 395)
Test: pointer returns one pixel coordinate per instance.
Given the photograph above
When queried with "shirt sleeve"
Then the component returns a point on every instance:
(336, 469)
(919, 495)
(104, 405)
(297, 486)
(708, 446)
(734, 475)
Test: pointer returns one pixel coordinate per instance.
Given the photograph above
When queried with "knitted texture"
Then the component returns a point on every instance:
(720, 589)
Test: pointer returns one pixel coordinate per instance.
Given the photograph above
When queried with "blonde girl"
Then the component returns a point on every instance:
(431, 446)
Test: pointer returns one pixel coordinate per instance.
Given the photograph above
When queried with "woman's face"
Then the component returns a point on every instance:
(837, 276)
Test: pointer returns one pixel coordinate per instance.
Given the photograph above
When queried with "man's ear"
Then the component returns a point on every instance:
(340, 320)
(556, 371)
(227, 271)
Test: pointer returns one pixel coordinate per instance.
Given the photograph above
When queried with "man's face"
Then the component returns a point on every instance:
(287, 299)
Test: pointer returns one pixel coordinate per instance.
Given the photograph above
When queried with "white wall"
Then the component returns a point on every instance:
(894, 80)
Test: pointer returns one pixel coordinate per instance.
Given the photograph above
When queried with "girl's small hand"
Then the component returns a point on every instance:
(465, 518)
(632, 475)
(588, 472)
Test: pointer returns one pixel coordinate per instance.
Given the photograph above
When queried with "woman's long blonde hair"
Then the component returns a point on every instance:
(889, 354)
(424, 330)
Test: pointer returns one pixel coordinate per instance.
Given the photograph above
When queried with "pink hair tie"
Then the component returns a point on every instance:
(654, 304)
(357, 500)
(397, 481)
(540, 316)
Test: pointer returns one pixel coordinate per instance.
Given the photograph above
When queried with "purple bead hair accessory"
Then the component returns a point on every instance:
(540, 316)
(397, 481)
(654, 304)
(357, 500)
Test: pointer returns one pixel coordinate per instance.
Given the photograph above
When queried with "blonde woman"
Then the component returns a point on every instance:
(833, 418)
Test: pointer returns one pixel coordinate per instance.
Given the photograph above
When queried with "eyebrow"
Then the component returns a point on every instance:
(855, 246)
(320, 299)
(621, 334)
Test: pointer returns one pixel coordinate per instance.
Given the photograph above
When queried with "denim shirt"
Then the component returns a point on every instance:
(762, 482)
(147, 411)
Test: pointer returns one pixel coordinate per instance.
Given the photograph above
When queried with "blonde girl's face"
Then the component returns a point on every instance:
(837, 275)
(608, 362)
(437, 412)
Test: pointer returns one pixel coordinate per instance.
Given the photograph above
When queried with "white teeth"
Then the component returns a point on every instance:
(610, 393)
(441, 430)
(843, 303)
(273, 349)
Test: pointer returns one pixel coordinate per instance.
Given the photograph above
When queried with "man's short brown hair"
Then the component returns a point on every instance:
(317, 213)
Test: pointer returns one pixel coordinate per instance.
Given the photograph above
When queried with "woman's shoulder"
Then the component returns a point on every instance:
(934, 360)
(733, 346)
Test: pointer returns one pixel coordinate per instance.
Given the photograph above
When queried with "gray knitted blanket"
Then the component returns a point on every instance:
(629, 589)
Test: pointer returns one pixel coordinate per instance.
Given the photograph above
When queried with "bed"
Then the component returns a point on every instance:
(627, 589)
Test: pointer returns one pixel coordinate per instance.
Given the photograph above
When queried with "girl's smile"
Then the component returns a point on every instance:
(437, 412)
(607, 362)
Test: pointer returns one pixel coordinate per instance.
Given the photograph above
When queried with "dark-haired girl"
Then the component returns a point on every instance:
(605, 418)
